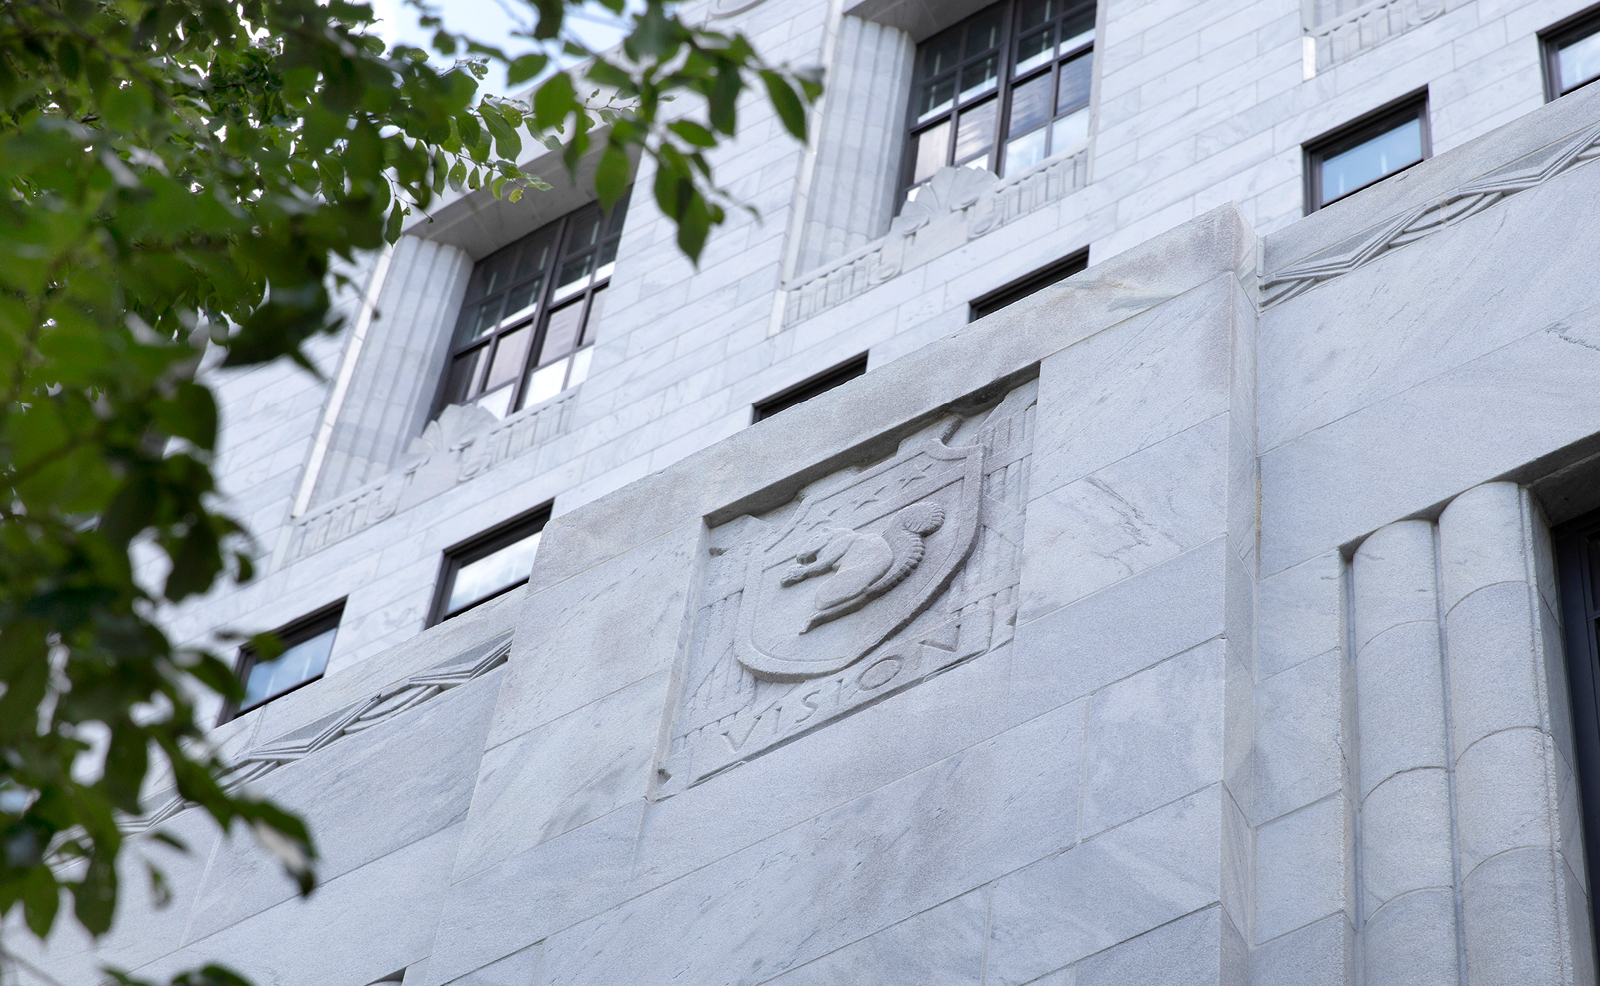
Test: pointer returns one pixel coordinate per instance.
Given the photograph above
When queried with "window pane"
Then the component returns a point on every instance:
(1580, 61)
(496, 272)
(940, 55)
(580, 366)
(583, 230)
(508, 358)
(296, 665)
(979, 77)
(491, 573)
(1034, 50)
(936, 97)
(1036, 12)
(1073, 89)
(1069, 131)
(983, 31)
(933, 150)
(536, 252)
(1078, 28)
(561, 335)
(574, 275)
(1030, 104)
(1372, 159)
(496, 403)
(544, 383)
(1024, 152)
(975, 132)
(523, 299)
(463, 370)
(597, 305)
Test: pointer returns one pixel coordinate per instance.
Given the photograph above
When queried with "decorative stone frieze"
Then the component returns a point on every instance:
(470, 664)
(867, 583)
(463, 443)
(1343, 37)
(955, 206)
(1430, 217)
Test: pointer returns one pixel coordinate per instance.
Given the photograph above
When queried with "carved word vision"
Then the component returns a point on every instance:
(956, 205)
(464, 442)
(868, 582)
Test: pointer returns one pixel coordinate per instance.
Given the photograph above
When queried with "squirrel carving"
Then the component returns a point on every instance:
(864, 565)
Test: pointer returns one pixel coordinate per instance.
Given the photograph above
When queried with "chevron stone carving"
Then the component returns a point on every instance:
(1425, 220)
(470, 664)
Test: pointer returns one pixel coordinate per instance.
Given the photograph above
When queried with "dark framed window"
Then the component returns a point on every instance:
(530, 315)
(1577, 547)
(1024, 286)
(307, 643)
(1380, 144)
(490, 564)
(807, 389)
(1571, 53)
(1004, 89)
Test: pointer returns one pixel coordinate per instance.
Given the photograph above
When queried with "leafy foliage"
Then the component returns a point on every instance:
(185, 174)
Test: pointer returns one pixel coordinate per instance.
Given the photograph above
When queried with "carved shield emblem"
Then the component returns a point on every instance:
(859, 562)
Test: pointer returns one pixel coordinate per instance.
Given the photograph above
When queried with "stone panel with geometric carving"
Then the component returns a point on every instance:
(866, 583)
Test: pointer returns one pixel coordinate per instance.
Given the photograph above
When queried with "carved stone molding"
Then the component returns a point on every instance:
(868, 582)
(472, 663)
(1343, 37)
(955, 206)
(463, 443)
(1425, 220)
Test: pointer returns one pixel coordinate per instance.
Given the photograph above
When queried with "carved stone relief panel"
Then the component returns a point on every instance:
(868, 582)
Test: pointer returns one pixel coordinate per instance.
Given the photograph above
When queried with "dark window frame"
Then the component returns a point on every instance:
(1005, 85)
(1577, 550)
(294, 632)
(477, 547)
(808, 388)
(1551, 40)
(1379, 121)
(1060, 270)
(538, 314)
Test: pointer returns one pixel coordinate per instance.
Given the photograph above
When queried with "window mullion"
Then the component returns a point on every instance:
(541, 316)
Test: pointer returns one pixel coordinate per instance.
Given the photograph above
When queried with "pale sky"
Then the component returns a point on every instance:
(491, 22)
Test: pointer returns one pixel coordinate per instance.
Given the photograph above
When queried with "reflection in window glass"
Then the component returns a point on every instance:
(1073, 90)
(1030, 104)
(478, 580)
(933, 146)
(1579, 61)
(975, 135)
(963, 114)
(297, 665)
(508, 356)
(504, 324)
(1070, 130)
(562, 334)
(1372, 159)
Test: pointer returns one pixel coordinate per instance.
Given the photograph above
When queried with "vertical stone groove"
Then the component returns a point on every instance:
(390, 390)
(858, 151)
(1406, 873)
(1513, 894)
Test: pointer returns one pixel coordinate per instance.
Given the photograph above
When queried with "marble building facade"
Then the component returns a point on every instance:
(1216, 614)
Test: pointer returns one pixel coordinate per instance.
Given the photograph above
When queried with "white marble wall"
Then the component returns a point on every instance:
(1196, 104)
(1282, 700)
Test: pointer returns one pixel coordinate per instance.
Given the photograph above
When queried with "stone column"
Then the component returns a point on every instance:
(1407, 873)
(1518, 904)
(861, 134)
(397, 371)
